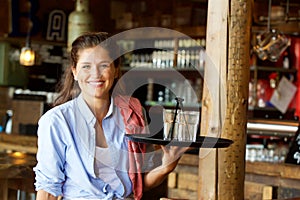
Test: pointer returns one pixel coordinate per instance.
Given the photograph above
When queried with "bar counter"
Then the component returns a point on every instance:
(16, 173)
(16, 142)
(17, 158)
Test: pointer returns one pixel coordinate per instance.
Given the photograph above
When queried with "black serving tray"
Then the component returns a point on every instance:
(201, 141)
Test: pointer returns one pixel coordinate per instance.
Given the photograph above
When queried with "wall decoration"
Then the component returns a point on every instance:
(56, 26)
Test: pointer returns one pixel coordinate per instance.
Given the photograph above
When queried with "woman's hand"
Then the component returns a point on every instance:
(171, 156)
(43, 195)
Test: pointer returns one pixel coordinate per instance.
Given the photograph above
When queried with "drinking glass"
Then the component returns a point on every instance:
(185, 126)
(188, 125)
(168, 117)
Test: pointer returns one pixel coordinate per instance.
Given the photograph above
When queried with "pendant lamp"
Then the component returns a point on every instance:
(27, 56)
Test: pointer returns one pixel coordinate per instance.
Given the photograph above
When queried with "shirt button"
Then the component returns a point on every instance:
(104, 189)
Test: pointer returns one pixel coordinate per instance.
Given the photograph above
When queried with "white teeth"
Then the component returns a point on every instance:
(96, 83)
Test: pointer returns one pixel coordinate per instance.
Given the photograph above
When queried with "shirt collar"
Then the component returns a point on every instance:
(86, 111)
(111, 108)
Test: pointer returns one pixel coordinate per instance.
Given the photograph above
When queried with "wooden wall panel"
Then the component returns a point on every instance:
(4, 17)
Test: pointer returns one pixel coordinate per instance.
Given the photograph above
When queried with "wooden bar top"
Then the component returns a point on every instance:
(16, 172)
(16, 165)
(17, 142)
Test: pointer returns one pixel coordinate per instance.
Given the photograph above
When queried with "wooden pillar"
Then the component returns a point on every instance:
(232, 160)
(215, 62)
(225, 97)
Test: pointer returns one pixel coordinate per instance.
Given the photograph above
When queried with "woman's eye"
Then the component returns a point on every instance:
(104, 65)
(86, 66)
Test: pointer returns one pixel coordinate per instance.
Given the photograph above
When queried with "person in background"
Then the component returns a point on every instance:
(83, 152)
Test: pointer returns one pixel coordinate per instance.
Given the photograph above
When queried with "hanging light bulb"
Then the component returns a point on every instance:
(27, 56)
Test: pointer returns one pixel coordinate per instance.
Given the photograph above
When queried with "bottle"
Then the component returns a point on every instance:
(79, 21)
(160, 98)
(150, 90)
(286, 60)
(8, 126)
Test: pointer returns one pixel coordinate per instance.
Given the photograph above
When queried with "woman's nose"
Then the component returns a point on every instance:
(96, 71)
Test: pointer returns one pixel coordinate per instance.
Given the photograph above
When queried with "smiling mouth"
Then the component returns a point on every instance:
(96, 83)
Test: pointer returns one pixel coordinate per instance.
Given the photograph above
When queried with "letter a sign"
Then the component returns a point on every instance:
(56, 26)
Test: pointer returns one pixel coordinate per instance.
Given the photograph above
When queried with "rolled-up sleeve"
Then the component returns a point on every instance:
(49, 171)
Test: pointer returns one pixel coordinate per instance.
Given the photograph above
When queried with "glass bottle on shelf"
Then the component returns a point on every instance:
(80, 20)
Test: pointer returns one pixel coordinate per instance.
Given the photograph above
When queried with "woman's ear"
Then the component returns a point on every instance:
(74, 72)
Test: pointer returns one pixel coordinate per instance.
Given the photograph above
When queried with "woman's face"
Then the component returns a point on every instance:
(95, 73)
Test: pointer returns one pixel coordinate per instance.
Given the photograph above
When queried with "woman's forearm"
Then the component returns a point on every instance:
(43, 195)
(157, 175)
(170, 159)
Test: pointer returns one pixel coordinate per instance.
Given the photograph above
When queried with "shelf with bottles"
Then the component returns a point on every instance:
(267, 149)
(284, 64)
(269, 140)
(161, 73)
(161, 86)
(179, 53)
(270, 72)
(164, 62)
(273, 69)
(265, 76)
(261, 92)
(158, 69)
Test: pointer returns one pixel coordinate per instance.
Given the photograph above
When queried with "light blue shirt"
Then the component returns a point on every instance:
(66, 152)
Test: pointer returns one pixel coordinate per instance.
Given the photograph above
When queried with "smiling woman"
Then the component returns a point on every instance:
(85, 133)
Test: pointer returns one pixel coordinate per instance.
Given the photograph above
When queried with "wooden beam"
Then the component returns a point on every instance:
(211, 116)
(232, 160)
(225, 97)
(280, 170)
